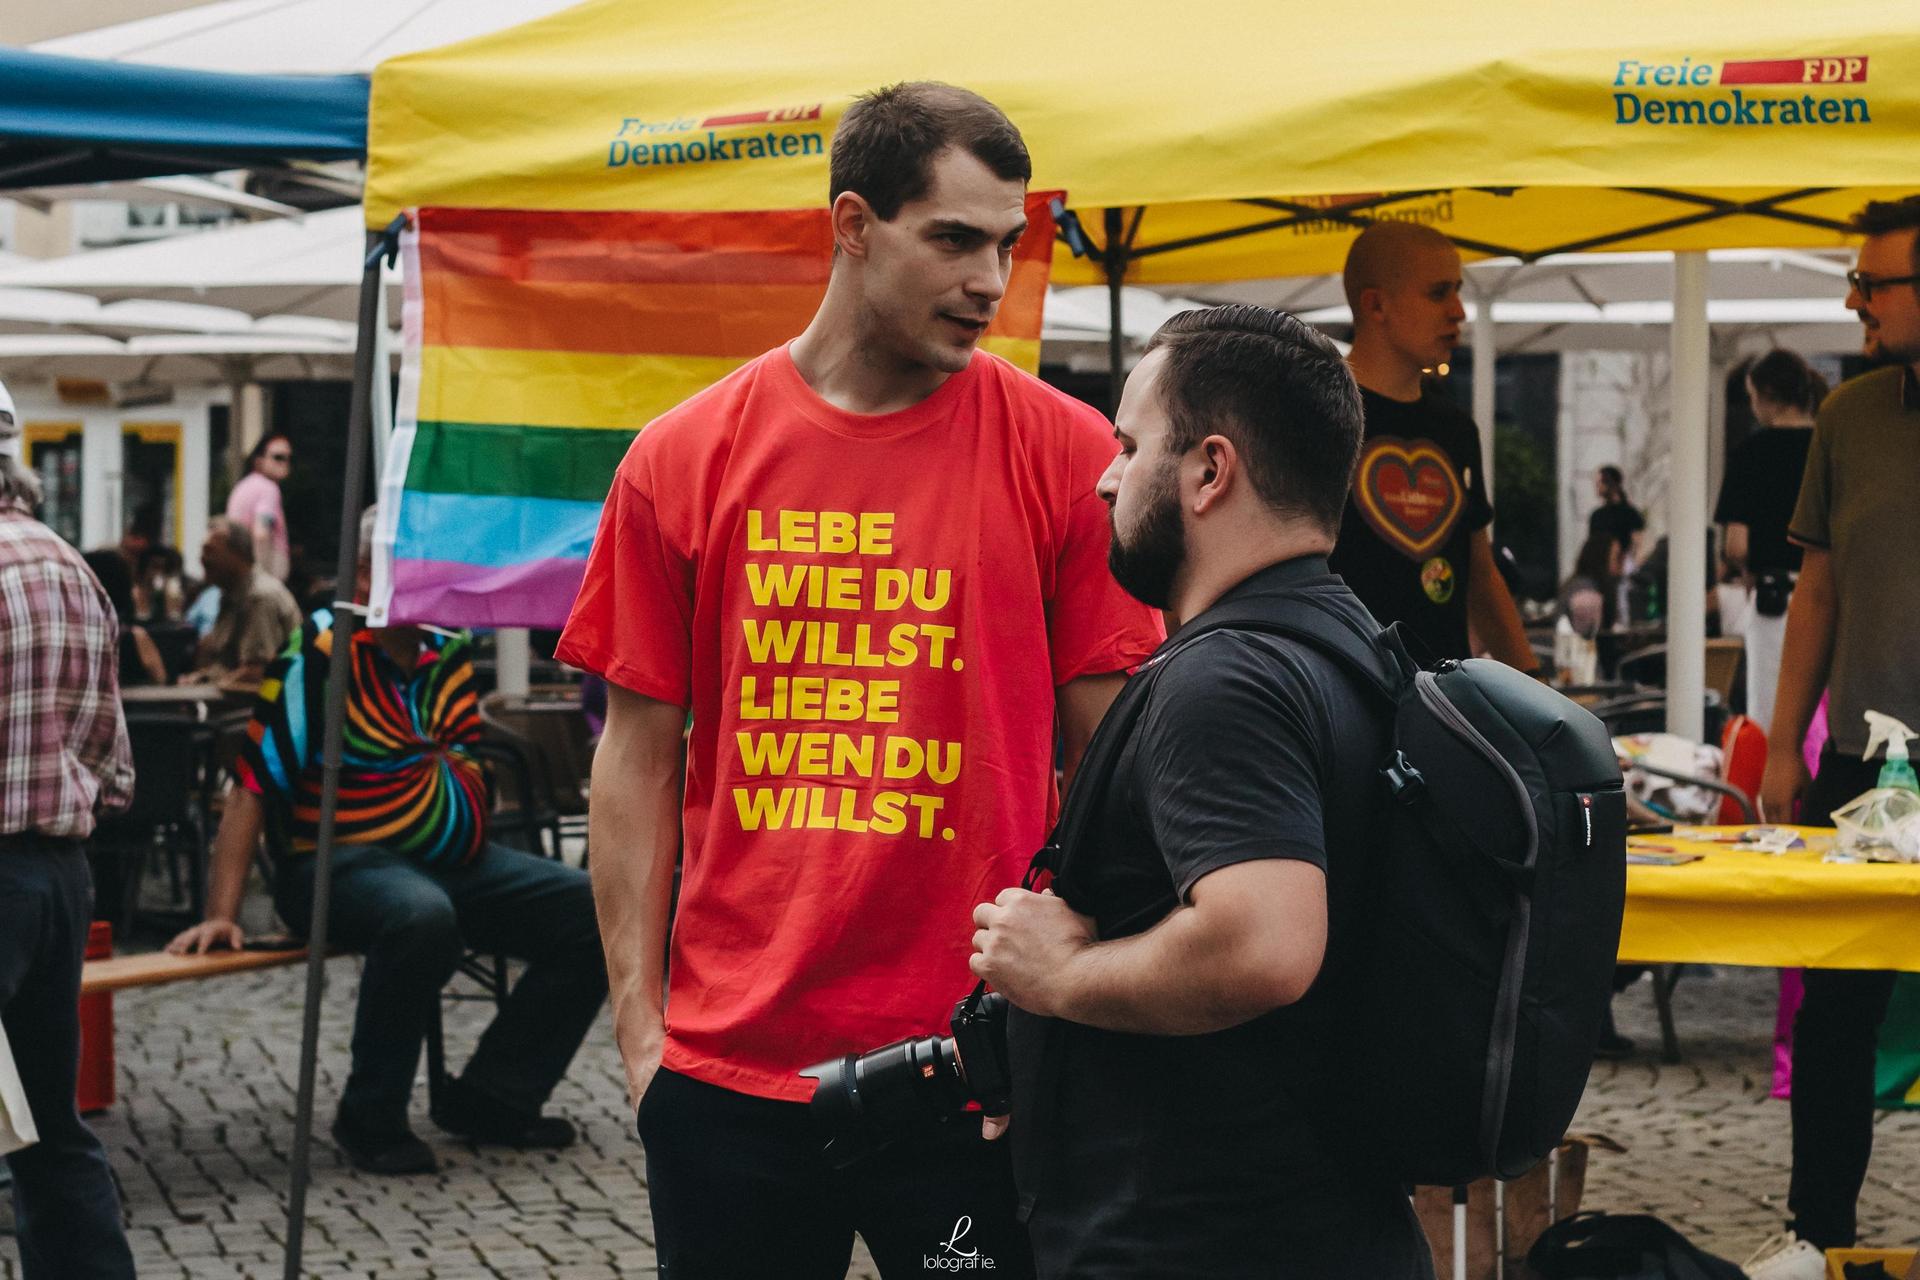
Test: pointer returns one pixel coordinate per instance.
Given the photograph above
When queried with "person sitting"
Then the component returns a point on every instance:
(140, 661)
(415, 881)
(160, 587)
(1588, 598)
(257, 614)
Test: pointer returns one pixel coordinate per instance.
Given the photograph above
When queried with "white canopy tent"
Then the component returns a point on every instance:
(297, 37)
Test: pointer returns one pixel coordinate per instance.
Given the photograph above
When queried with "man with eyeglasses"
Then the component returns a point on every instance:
(1850, 632)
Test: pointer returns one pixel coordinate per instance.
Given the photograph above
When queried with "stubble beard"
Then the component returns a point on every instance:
(1146, 562)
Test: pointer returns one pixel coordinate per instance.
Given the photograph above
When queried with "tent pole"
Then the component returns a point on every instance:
(1486, 353)
(513, 660)
(1687, 499)
(346, 621)
(1116, 268)
(382, 398)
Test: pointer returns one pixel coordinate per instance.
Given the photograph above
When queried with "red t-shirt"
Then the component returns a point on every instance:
(868, 616)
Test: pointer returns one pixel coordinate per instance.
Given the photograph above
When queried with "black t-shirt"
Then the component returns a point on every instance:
(1418, 497)
(1761, 487)
(1217, 1155)
(1616, 520)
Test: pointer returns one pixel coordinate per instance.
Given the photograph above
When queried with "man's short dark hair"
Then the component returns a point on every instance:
(1612, 477)
(1275, 387)
(886, 144)
(1881, 217)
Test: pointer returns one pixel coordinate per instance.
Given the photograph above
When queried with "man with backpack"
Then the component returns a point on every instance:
(1177, 1106)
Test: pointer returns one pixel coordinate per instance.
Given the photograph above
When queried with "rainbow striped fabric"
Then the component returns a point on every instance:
(408, 780)
(537, 344)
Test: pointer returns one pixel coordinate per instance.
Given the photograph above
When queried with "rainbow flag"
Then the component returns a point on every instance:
(538, 344)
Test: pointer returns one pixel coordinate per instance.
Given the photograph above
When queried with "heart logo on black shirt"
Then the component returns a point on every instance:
(1408, 493)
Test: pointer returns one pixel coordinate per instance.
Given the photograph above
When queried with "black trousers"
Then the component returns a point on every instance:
(740, 1188)
(412, 923)
(66, 1212)
(1834, 1038)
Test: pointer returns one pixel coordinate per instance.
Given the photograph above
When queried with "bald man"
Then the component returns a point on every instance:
(1413, 544)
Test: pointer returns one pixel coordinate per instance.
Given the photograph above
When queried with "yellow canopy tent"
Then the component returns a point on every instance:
(1238, 139)
(1245, 138)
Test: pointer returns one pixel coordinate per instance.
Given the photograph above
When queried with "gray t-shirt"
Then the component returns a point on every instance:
(1860, 502)
(254, 623)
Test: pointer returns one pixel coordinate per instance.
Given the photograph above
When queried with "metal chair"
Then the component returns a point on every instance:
(1648, 666)
(549, 729)
(166, 817)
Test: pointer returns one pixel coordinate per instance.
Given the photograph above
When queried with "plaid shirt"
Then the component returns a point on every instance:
(63, 738)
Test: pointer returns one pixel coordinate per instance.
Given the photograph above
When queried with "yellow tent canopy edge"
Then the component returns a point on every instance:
(1635, 127)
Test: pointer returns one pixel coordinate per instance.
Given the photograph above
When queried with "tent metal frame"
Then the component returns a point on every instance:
(1706, 208)
(382, 248)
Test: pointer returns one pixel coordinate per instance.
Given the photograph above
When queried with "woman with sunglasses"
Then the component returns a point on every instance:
(255, 505)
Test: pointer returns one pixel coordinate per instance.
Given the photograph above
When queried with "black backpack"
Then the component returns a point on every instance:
(1493, 919)
(1624, 1246)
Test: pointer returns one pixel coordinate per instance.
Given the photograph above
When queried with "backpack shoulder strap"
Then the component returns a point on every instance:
(1379, 662)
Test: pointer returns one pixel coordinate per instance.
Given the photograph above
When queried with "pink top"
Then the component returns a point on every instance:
(254, 500)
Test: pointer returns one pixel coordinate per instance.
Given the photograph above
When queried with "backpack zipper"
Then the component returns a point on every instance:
(1437, 702)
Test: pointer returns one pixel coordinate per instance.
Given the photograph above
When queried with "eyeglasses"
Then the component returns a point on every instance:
(1865, 285)
(286, 457)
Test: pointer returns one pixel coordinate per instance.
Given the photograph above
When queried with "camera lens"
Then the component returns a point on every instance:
(866, 1100)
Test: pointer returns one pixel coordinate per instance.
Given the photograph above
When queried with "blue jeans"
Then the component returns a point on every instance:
(412, 922)
(66, 1213)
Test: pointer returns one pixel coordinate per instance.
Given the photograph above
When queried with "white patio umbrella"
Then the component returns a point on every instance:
(196, 193)
(181, 358)
(30, 311)
(308, 266)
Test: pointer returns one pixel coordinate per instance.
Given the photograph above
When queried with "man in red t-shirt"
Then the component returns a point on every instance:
(873, 566)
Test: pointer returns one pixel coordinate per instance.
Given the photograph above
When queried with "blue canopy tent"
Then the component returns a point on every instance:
(66, 121)
(69, 120)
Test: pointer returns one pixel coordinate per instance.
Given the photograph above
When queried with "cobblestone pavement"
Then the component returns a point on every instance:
(200, 1135)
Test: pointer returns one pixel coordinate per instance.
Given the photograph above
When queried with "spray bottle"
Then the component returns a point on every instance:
(1884, 824)
(1897, 771)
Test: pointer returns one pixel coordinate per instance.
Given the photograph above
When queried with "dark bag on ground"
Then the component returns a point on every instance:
(1623, 1246)
(1494, 916)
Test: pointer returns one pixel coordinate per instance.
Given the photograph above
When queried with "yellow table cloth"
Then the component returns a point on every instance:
(1789, 910)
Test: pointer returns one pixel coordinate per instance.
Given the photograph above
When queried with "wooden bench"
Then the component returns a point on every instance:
(121, 973)
(158, 968)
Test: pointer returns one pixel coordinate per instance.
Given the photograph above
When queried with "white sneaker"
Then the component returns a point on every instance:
(1786, 1257)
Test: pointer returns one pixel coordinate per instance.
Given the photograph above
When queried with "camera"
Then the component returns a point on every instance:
(865, 1101)
(1771, 592)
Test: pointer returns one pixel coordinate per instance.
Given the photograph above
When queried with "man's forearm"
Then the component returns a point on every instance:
(634, 832)
(1172, 980)
(233, 847)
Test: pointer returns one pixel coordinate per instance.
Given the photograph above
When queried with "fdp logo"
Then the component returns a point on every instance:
(1760, 92)
(1640, 75)
(1796, 71)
